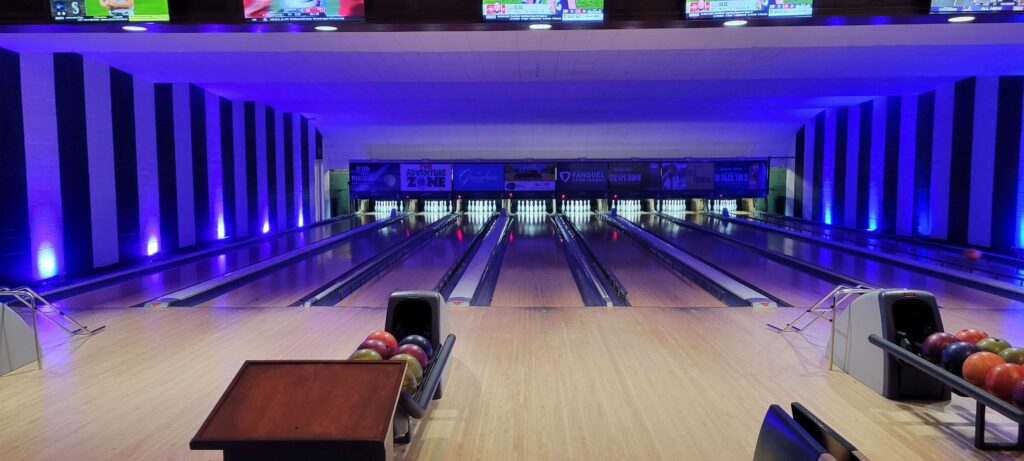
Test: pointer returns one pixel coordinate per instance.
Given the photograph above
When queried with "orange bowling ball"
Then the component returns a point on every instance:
(972, 254)
(970, 335)
(977, 366)
(1002, 378)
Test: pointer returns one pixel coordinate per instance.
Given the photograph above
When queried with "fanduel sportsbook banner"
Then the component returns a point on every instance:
(634, 176)
(479, 177)
(582, 176)
(426, 177)
(374, 177)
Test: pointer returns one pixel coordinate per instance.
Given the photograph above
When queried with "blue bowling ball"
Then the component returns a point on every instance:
(955, 354)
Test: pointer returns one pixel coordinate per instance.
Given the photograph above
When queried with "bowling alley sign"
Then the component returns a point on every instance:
(426, 177)
(582, 176)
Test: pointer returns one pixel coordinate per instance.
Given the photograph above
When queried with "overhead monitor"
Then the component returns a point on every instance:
(723, 9)
(543, 10)
(976, 6)
(110, 10)
(303, 10)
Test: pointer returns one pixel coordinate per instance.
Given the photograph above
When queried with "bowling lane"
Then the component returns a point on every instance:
(791, 285)
(998, 268)
(535, 272)
(650, 282)
(287, 284)
(422, 269)
(877, 273)
(141, 288)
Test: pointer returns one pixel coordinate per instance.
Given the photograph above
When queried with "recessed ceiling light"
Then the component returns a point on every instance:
(540, 26)
(735, 23)
(326, 28)
(134, 28)
(961, 19)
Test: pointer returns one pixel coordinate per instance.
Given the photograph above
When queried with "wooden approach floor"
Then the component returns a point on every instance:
(527, 384)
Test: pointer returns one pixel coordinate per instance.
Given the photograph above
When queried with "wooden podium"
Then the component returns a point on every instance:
(308, 410)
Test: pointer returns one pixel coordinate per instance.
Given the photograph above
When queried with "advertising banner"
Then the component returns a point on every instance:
(634, 176)
(582, 177)
(741, 178)
(479, 177)
(426, 177)
(374, 177)
(521, 177)
(688, 176)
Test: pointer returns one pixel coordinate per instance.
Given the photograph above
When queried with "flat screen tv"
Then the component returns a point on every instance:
(543, 10)
(303, 10)
(109, 10)
(724, 9)
(976, 6)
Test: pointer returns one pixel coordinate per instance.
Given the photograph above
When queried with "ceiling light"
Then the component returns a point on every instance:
(540, 26)
(134, 28)
(735, 23)
(961, 19)
(326, 28)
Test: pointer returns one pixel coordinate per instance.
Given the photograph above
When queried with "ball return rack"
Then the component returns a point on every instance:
(961, 387)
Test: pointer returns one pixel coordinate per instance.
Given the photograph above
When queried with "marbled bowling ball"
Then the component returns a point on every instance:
(993, 345)
(1013, 355)
(376, 345)
(415, 351)
(955, 354)
(1002, 378)
(409, 382)
(420, 341)
(387, 338)
(411, 364)
(971, 335)
(1018, 394)
(977, 366)
(934, 344)
(365, 354)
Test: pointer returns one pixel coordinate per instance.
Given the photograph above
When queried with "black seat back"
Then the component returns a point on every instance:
(782, 439)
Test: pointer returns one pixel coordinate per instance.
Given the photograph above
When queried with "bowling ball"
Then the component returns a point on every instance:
(415, 351)
(411, 364)
(1018, 394)
(972, 254)
(409, 382)
(420, 341)
(970, 335)
(387, 338)
(993, 345)
(365, 354)
(1002, 378)
(1013, 355)
(955, 354)
(934, 344)
(376, 345)
(977, 366)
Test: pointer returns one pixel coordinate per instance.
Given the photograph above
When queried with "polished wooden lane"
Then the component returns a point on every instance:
(527, 383)
(535, 271)
(422, 269)
(650, 282)
(791, 285)
(139, 289)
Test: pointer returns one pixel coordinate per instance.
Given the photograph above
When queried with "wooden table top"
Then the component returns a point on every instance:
(312, 401)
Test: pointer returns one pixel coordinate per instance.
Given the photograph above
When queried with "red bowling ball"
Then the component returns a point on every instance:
(387, 338)
(971, 335)
(1018, 394)
(934, 344)
(415, 351)
(376, 345)
(1002, 378)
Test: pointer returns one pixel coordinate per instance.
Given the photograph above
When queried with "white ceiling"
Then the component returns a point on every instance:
(626, 92)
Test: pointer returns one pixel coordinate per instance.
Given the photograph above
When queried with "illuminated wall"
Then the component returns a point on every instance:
(944, 165)
(102, 169)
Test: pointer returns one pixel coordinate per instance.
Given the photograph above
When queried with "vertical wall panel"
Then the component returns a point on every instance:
(841, 162)
(321, 176)
(126, 171)
(284, 220)
(983, 150)
(307, 178)
(102, 179)
(799, 175)
(167, 166)
(150, 183)
(850, 212)
(297, 168)
(890, 164)
(252, 178)
(269, 127)
(964, 93)
(817, 166)
(942, 153)
(288, 152)
(215, 168)
(227, 161)
(1019, 235)
(905, 166)
(1005, 208)
(72, 143)
(245, 184)
(877, 163)
(183, 163)
(39, 163)
(204, 229)
(867, 112)
(828, 170)
(262, 181)
(15, 236)
(923, 163)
